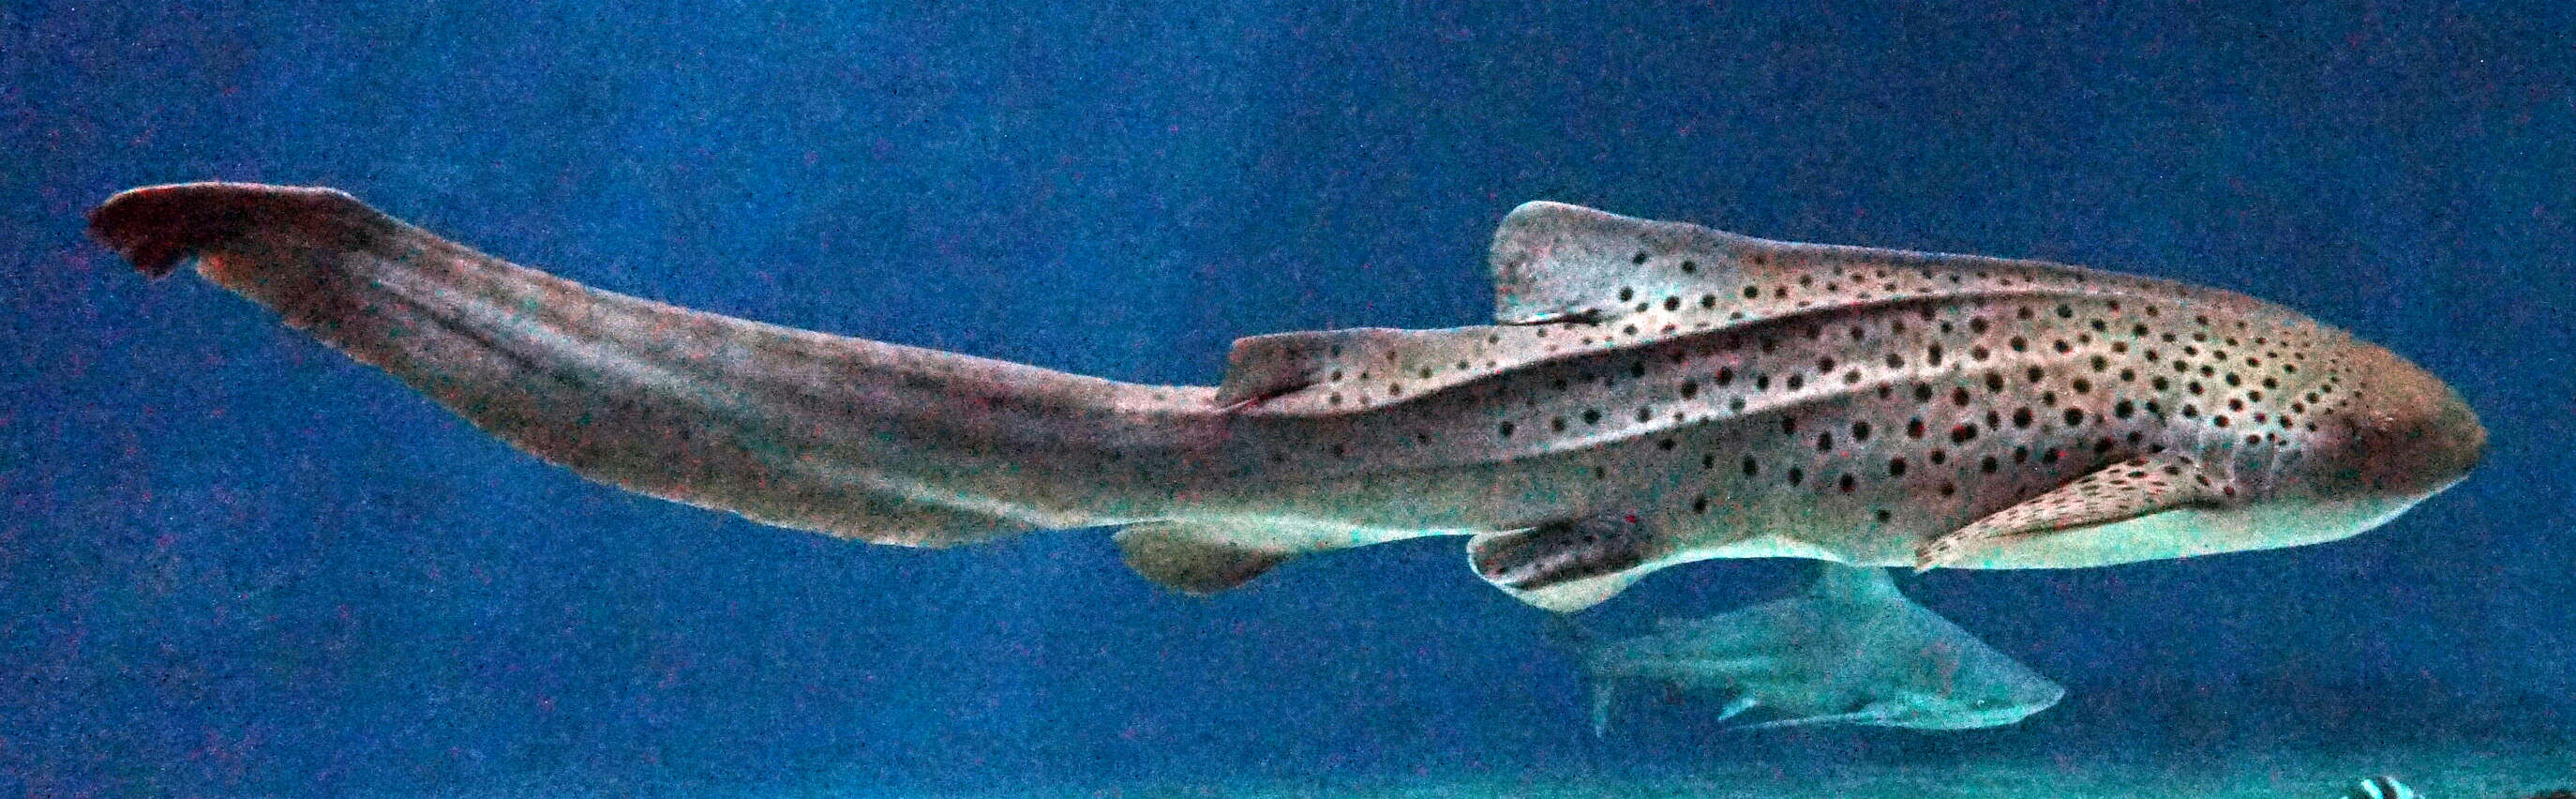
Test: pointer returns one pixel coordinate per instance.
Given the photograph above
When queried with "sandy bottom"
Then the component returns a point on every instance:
(2445, 772)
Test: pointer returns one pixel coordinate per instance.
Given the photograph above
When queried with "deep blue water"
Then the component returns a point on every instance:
(232, 561)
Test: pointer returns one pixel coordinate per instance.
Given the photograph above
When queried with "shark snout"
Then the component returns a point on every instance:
(2411, 433)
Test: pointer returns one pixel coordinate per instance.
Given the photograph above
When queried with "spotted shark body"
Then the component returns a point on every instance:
(1648, 394)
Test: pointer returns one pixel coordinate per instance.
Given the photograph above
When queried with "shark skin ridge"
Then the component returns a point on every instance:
(1651, 393)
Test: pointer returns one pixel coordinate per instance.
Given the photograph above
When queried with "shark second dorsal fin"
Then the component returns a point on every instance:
(1354, 369)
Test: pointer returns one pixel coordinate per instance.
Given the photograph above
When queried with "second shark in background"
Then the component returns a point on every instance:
(1848, 649)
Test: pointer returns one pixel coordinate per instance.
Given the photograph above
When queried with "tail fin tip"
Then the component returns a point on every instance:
(158, 227)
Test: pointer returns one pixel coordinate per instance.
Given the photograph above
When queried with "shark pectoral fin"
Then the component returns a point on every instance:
(2115, 493)
(1194, 558)
(1867, 715)
(1565, 566)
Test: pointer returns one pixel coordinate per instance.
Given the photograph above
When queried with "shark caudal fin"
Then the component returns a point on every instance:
(855, 438)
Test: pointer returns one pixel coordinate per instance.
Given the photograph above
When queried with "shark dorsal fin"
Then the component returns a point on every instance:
(1555, 262)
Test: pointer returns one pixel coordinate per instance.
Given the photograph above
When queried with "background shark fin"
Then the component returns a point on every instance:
(1604, 692)
(1844, 582)
(1193, 558)
(1862, 716)
(2114, 493)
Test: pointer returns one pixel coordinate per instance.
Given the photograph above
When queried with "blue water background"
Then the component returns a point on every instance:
(232, 561)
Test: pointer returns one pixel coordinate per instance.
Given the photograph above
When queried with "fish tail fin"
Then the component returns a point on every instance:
(856, 438)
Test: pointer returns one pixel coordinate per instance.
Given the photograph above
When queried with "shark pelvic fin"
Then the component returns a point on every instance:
(2114, 493)
(1194, 558)
(1565, 566)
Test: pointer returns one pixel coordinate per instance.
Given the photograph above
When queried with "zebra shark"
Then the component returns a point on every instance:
(1647, 394)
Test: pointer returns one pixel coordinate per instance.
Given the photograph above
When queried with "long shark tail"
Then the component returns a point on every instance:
(854, 438)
